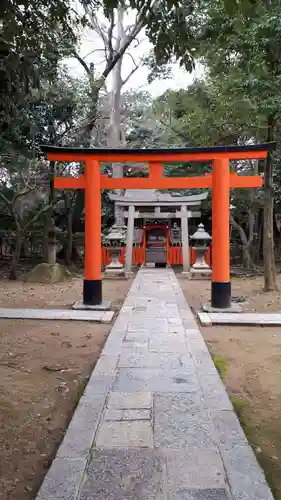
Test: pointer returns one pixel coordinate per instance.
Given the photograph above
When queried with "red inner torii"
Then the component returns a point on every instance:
(220, 181)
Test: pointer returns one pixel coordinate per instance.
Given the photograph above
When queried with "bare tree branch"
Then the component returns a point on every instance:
(83, 63)
(21, 194)
(110, 35)
(96, 26)
(40, 212)
(136, 67)
(129, 38)
(93, 52)
(6, 201)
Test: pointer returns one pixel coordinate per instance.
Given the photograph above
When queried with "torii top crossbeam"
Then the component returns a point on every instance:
(220, 181)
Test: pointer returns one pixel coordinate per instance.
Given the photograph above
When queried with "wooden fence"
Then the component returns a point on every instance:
(174, 256)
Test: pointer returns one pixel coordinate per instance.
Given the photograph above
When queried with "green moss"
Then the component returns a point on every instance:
(240, 407)
(271, 470)
(220, 364)
(48, 273)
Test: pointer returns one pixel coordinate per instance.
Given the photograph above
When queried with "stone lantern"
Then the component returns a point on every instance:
(115, 239)
(202, 241)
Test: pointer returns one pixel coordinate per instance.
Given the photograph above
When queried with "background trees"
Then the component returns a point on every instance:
(236, 101)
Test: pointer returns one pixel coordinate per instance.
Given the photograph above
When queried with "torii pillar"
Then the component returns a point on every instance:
(92, 288)
(221, 285)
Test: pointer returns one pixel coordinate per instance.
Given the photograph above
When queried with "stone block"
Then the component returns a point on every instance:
(204, 319)
(113, 414)
(246, 479)
(124, 475)
(56, 314)
(150, 324)
(189, 323)
(155, 380)
(200, 494)
(169, 403)
(174, 429)
(137, 414)
(176, 329)
(174, 321)
(127, 400)
(214, 393)
(169, 344)
(129, 434)
(197, 345)
(137, 336)
(81, 432)
(63, 480)
(135, 347)
(99, 384)
(106, 365)
(105, 305)
(113, 345)
(153, 360)
(233, 308)
(246, 319)
(194, 469)
(185, 311)
(228, 430)
(118, 415)
(192, 333)
(204, 365)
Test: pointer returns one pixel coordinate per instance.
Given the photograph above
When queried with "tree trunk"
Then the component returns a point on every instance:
(16, 255)
(45, 240)
(50, 247)
(247, 261)
(69, 248)
(52, 253)
(114, 128)
(270, 279)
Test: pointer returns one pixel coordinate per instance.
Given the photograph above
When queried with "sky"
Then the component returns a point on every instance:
(91, 50)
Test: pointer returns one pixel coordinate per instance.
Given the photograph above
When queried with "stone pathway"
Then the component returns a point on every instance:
(155, 422)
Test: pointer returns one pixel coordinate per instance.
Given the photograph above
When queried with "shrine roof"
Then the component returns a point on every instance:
(154, 196)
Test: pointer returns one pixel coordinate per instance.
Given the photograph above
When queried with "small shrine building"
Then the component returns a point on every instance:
(159, 226)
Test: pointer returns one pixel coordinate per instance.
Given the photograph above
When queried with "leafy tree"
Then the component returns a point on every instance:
(241, 46)
(204, 114)
(26, 183)
(35, 35)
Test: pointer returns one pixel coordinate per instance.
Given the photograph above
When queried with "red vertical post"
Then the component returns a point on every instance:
(92, 292)
(221, 286)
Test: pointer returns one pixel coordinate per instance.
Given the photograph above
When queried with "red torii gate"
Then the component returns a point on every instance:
(220, 181)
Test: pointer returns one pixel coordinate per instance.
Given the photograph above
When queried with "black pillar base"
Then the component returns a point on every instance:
(221, 295)
(92, 292)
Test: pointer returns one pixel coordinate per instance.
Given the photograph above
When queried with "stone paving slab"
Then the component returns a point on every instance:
(57, 314)
(255, 319)
(155, 421)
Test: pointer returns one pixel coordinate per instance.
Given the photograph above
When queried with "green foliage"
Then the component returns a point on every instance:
(34, 37)
(243, 49)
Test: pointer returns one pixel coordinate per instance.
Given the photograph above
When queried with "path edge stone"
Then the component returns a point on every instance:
(71, 451)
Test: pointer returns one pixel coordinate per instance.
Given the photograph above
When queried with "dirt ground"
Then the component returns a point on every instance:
(44, 367)
(253, 374)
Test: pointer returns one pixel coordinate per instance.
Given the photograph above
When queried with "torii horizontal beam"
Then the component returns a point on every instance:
(236, 181)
